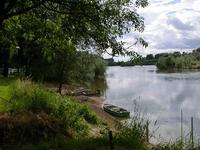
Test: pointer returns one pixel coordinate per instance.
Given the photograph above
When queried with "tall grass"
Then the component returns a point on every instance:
(29, 97)
(4, 86)
(124, 139)
(5, 91)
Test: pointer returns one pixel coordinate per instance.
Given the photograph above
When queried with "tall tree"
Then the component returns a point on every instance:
(86, 23)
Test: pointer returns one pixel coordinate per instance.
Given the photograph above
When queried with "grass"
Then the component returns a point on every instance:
(5, 90)
(30, 97)
(38, 119)
(124, 139)
(31, 111)
(59, 143)
(4, 87)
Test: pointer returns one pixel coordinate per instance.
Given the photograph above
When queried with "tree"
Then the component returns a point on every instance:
(96, 21)
(87, 23)
(63, 62)
(150, 57)
(7, 46)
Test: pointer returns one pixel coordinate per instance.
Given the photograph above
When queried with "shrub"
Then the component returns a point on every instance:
(29, 97)
(166, 63)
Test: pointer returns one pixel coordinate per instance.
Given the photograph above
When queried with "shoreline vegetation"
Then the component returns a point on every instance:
(37, 118)
(34, 116)
(178, 61)
(170, 62)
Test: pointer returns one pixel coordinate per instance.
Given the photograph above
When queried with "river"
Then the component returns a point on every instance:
(159, 97)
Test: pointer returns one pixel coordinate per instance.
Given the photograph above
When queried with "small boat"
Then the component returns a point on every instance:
(85, 92)
(115, 110)
(91, 93)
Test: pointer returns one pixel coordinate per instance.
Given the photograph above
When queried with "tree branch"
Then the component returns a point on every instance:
(24, 10)
(54, 9)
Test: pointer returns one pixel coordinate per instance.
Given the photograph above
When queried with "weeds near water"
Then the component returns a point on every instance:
(29, 97)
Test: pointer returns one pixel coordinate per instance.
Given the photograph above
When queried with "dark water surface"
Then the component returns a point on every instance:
(159, 96)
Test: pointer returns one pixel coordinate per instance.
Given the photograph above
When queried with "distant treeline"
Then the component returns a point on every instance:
(178, 61)
(164, 61)
(139, 60)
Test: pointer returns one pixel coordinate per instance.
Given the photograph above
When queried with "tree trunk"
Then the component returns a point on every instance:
(61, 79)
(27, 67)
(5, 69)
(6, 54)
(60, 87)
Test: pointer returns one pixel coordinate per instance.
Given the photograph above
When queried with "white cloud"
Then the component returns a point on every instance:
(171, 25)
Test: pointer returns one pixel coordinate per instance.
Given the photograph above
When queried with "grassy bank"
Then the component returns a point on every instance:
(30, 109)
(34, 118)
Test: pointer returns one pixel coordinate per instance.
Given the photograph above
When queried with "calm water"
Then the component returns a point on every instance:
(160, 96)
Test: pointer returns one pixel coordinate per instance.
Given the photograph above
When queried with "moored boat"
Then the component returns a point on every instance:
(115, 110)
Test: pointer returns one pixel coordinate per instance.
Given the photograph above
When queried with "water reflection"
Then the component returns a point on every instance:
(162, 95)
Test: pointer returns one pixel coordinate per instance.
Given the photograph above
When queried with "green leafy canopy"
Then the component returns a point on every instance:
(96, 23)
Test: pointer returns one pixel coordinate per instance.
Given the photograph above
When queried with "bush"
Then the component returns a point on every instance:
(29, 97)
(178, 62)
(166, 63)
(15, 130)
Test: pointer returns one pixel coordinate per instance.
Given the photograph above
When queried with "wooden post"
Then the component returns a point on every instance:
(147, 131)
(192, 133)
(182, 140)
(111, 140)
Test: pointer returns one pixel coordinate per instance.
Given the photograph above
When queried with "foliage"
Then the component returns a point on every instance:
(5, 91)
(132, 137)
(70, 144)
(178, 61)
(86, 22)
(29, 97)
(166, 62)
(173, 146)
(124, 138)
(88, 67)
(55, 53)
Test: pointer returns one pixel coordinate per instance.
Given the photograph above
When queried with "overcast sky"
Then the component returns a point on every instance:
(171, 25)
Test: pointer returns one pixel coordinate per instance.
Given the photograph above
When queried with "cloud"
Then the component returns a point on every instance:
(178, 24)
(170, 24)
(173, 2)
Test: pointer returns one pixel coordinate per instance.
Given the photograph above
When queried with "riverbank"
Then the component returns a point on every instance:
(38, 118)
(95, 103)
(63, 121)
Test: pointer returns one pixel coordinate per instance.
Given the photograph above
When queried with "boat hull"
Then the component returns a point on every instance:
(116, 111)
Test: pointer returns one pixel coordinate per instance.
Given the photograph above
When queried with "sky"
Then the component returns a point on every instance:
(170, 25)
